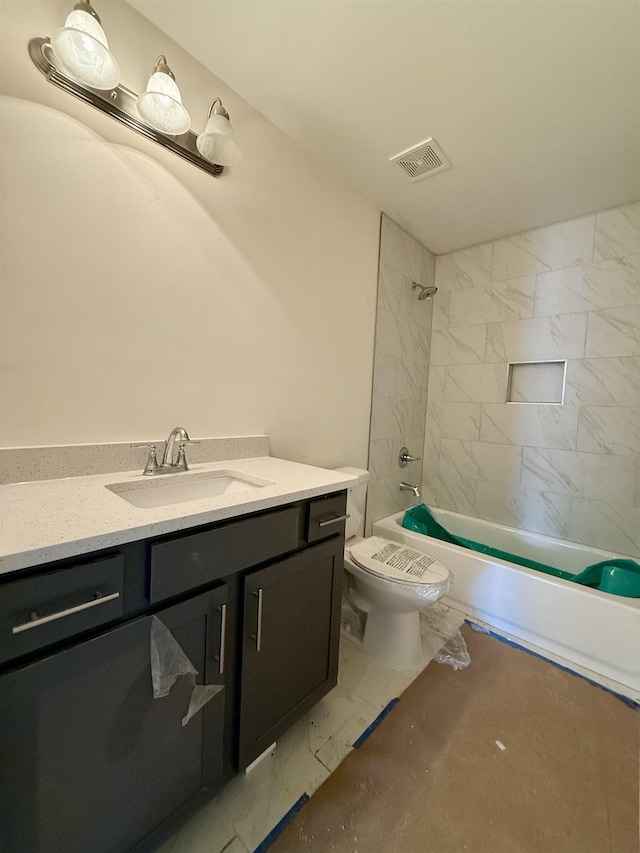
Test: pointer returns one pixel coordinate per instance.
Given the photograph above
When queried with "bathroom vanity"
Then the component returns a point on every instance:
(90, 760)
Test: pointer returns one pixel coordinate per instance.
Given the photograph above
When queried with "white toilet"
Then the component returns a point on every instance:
(390, 583)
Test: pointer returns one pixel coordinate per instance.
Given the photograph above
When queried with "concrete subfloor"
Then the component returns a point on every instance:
(511, 755)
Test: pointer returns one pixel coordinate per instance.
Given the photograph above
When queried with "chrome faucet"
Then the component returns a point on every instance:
(168, 458)
(407, 487)
(169, 462)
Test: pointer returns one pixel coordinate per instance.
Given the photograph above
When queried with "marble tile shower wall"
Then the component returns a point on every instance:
(401, 369)
(567, 291)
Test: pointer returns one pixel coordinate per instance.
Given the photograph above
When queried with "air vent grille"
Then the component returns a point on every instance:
(422, 160)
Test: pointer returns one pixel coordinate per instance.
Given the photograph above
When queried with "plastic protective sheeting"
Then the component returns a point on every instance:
(454, 651)
(613, 575)
(168, 663)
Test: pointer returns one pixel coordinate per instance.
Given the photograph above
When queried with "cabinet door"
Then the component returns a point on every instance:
(89, 760)
(290, 642)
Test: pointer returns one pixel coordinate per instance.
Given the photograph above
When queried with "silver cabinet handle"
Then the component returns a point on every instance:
(223, 637)
(36, 620)
(258, 635)
(335, 520)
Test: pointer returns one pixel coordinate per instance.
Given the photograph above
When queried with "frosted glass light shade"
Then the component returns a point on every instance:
(161, 106)
(83, 52)
(217, 143)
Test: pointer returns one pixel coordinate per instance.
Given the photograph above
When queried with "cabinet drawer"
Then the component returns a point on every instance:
(197, 559)
(50, 607)
(326, 517)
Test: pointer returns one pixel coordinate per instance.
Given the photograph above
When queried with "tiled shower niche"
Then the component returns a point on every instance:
(536, 382)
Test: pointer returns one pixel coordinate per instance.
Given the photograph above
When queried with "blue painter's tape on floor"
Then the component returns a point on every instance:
(374, 725)
(277, 829)
(626, 699)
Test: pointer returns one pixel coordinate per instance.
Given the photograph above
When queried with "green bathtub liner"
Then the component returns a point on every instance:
(616, 576)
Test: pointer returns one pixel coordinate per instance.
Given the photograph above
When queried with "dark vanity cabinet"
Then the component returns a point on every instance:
(89, 759)
(289, 642)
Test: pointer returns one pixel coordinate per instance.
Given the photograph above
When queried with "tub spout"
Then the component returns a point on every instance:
(407, 487)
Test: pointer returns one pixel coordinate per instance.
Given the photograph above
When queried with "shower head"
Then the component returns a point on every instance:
(425, 292)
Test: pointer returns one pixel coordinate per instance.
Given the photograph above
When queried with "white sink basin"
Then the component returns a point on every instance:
(179, 488)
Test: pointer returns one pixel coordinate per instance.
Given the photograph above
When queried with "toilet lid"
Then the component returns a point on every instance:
(398, 562)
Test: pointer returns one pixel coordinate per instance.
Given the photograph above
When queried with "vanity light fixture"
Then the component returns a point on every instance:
(77, 59)
(161, 105)
(217, 143)
(82, 49)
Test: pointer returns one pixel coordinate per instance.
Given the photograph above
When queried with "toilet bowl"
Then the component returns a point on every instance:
(391, 584)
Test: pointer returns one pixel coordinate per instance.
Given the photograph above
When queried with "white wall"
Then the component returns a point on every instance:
(139, 292)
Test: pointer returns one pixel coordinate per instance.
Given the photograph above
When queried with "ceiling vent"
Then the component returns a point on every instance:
(422, 160)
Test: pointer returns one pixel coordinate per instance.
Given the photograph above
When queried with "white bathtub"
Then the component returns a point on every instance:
(582, 628)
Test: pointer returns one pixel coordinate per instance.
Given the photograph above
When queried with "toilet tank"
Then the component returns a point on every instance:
(356, 501)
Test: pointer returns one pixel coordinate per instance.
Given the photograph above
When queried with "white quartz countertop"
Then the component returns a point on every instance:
(50, 520)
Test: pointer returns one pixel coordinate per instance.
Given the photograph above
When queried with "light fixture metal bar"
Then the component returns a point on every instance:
(120, 104)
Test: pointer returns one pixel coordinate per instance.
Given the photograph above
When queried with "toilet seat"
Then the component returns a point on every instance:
(398, 563)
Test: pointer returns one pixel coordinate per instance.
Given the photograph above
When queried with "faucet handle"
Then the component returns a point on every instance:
(152, 462)
(182, 456)
(404, 457)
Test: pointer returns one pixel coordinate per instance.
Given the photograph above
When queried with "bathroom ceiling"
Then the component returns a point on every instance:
(535, 103)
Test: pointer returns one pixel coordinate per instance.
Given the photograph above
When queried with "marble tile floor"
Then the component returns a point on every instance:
(240, 817)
